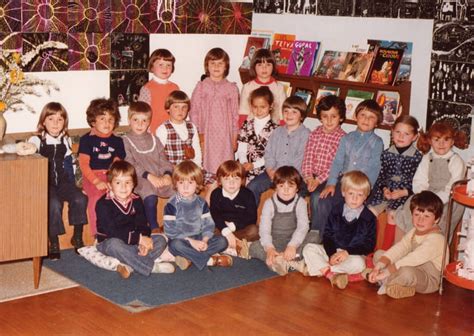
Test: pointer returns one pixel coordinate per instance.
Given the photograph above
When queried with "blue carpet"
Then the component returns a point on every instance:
(139, 293)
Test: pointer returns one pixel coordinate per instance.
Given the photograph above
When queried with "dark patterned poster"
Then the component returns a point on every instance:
(125, 85)
(10, 16)
(89, 51)
(203, 17)
(236, 18)
(45, 52)
(168, 16)
(44, 16)
(10, 42)
(458, 115)
(130, 16)
(89, 16)
(129, 51)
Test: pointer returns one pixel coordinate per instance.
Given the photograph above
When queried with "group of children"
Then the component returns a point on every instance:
(349, 177)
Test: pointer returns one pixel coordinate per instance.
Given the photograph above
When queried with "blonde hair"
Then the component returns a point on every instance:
(139, 107)
(50, 109)
(357, 180)
(188, 170)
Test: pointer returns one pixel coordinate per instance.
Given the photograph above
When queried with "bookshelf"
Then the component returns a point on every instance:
(314, 83)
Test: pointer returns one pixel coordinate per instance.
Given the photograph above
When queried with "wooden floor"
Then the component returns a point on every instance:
(291, 305)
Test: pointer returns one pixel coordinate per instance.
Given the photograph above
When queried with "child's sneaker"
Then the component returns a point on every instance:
(340, 280)
(163, 267)
(299, 266)
(396, 291)
(222, 260)
(280, 266)
(54, 252)
(182, 263)
(124, 271)
(243, 249)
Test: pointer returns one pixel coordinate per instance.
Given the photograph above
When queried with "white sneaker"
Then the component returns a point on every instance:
(163, 267)
(382, 290)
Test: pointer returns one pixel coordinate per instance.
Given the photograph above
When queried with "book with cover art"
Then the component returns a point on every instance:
(253, 44)
(265, 34)
(331, 64)
(287, 87)
(282, 47)
(307, 96)
(390, 103)
(404, 70)
(385, 66)
(356, 67)
(354, 98)
(325, 90)
(303, 57)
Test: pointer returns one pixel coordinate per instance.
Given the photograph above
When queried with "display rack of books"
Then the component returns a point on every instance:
(395, 99)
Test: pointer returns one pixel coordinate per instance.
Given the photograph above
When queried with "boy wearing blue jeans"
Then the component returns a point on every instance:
(358, 150)
(285, 146)
(122, 229)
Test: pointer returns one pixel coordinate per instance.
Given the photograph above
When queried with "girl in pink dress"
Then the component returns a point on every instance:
(214, 111)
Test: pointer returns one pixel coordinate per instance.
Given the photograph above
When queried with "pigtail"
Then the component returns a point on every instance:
(460, 140)
(423, 143)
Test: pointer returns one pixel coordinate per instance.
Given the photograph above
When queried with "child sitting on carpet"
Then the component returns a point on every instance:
(189, 225)
(284, 224)
(233, 208)
(122, 228)
(348, 237)
(413, 265)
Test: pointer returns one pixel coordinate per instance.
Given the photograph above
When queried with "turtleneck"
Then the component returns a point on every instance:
(159, 80)
(259, 124)
(402, 150)
(285, 202)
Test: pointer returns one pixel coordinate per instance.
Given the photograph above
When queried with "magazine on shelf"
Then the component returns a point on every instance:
(307, 96)
(253, 44)
(404, 70)
(302, 58)
(356, 67)
(287, 87)
(390, 103)
(385, 66)
(325, 90)
(265, 34)
(331, 64)
(354, 98)
(282, 47)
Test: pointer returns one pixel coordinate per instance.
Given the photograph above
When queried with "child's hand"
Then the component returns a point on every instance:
(399, 193)
(312, 183)
(247, 166)
(338, 257)
(373, 275)
(101, 185)
(198, 245)
(271, 254)
(159, 182)
(290, 253)
(387, 194)
(328, 191)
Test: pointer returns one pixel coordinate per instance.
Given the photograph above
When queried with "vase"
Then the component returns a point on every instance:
(3, 126)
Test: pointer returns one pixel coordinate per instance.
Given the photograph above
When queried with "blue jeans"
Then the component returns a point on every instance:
(128, 254)
(259, 185)
(325, 206)
(150, 203)
(314, 201)
(182, 247)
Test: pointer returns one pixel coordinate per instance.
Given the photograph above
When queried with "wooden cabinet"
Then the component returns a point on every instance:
(24, 209)
(314, 83)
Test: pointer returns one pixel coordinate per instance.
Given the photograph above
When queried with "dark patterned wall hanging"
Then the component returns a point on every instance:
(89, 51)
(44, 16)
(125, 85)
(89, 16)
(10, 16)
(129, 51)
(236, 18)
(52, 55)
(168, 16)
(203, 17)
(130, 16)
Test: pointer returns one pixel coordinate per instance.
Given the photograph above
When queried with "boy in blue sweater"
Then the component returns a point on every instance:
(349, 235)
(358, 150)
(189, 225)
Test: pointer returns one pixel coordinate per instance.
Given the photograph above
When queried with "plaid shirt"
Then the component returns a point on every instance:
(320, 151)
(174, 150)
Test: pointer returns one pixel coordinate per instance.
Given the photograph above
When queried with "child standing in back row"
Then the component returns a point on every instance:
(146, 153)
(54, 143)
(155, 92)
(262, 72)
(214, 111)
(97, 150)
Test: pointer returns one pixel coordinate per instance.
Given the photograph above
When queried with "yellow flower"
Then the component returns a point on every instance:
(3, 106)
(16, 76)
(17, 57)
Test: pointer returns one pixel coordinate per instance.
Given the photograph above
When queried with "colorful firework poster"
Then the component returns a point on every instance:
(130, 16)
(236, 18)
(10, 42)
(48, 50)
(203, 17)
(168, 16)
(125, 85)
(89, 16)
(41, 16)
(129, 51)
(89, 51)
(10, 16)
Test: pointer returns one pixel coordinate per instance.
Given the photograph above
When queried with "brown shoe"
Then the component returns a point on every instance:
(243, 249)
(222, 260)
(396, 291)
(340, 280)
(182, 263)
(124, 271)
